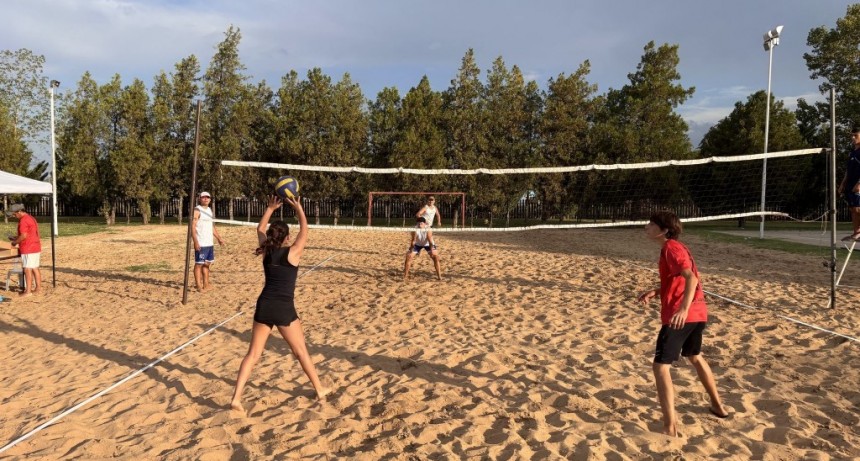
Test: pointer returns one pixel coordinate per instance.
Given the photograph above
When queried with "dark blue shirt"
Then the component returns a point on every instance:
(852, 171)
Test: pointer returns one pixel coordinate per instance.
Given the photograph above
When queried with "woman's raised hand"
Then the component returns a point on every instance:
(294, 202)
(275, 202)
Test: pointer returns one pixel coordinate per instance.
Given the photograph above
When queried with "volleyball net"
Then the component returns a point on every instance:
(586, 196)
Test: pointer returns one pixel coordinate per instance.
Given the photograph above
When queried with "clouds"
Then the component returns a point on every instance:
(394, 43)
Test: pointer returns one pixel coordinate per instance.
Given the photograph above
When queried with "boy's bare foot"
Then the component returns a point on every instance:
(237, 406)
(321, 393)
(671, 431)
(719, 412)
(26, 294)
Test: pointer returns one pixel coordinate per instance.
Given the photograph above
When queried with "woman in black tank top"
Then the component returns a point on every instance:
(275, 306)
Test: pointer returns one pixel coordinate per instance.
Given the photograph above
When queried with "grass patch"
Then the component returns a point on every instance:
(157, 267)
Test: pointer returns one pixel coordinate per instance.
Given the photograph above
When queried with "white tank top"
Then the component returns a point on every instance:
(429, 214)
(421, 237)
(204, 227)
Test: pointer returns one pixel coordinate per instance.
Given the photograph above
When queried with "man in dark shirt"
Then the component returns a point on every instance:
(850, 185)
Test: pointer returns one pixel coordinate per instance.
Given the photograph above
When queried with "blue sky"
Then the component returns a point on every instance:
(395, 42)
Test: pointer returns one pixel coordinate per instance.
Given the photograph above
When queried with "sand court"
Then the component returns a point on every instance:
(532, 347)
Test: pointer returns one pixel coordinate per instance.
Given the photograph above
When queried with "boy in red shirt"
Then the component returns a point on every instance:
(683, 313)
(29, 247)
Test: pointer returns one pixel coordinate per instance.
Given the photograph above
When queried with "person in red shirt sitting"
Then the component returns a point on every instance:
(683, 313)
(29, 247)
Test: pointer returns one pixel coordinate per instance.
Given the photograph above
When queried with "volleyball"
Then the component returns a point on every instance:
(287, 187)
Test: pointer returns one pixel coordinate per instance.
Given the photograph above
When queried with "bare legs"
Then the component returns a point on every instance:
(666, 393)
(201, 277)
(407, 264)
(434, 256)
(295, 337)
(855, 221)
(707, 379)
(32, 281)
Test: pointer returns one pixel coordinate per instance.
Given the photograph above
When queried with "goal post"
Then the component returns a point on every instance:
(462, 196)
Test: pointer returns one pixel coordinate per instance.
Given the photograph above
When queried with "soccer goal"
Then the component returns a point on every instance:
(374, 207)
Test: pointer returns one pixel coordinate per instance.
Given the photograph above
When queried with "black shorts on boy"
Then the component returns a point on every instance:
(672, 343)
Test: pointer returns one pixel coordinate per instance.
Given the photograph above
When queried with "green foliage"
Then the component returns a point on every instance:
(16, 156)
(466, 142)
(23, 94)
(565, 130)
(835, 58)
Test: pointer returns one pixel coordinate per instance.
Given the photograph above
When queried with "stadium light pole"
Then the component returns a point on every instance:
(54, 84)
(771, 40)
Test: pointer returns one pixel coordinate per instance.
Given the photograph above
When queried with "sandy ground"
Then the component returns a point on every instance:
(531, 348)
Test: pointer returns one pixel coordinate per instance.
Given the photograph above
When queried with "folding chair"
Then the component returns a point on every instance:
(16, 269)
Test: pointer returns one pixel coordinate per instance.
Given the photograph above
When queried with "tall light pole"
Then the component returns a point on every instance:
(54, 84)
(771, 40)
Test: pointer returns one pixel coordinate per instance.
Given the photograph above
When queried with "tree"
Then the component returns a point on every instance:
(24, 93)
(742, 133)
(81, 144)
(183, 116)
(466, 141)
(420, 138)
(132, 161)
(835, 57)
(639, 124)
(16, 155)
(568, 114)
(227, 120)
(165, 155)
(510, 142)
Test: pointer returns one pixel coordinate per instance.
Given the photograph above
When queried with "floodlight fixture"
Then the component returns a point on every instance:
(771, 38)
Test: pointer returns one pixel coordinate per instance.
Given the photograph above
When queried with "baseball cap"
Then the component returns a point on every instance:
(205, 194)
(14, 208)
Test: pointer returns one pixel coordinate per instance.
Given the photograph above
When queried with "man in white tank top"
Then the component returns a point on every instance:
(422, 239)
(429, 211)
(204, 244)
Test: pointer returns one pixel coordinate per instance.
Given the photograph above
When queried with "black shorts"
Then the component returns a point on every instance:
(671, 343)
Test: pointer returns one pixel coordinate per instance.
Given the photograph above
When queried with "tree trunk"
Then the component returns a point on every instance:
(161, 208)
(456, 218)
(316, 212)
(179, 210)
(336, 211)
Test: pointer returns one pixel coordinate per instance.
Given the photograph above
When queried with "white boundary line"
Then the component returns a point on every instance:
(799, 322)
(132, 375)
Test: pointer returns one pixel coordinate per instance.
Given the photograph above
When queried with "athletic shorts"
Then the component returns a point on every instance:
(206, 255)
(686, 342)
(417, 248)
(852, 199)
(31, 260)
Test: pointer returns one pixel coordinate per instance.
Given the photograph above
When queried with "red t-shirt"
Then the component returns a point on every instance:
(32, 244)
(674, 257)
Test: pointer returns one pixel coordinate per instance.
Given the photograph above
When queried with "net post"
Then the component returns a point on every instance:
(833, 280)
(463, 211)
(191, 204)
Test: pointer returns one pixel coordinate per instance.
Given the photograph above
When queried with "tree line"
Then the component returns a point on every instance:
(123, 140)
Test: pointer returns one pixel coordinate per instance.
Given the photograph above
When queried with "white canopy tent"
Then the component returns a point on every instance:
(14, 184)
(18, 185)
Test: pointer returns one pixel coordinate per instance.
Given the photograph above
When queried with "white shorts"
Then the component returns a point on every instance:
(30, 261)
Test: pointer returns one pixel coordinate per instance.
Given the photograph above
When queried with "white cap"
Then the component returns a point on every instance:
(205, 194)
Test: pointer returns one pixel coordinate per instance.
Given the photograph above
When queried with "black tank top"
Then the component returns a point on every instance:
(280, 276)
